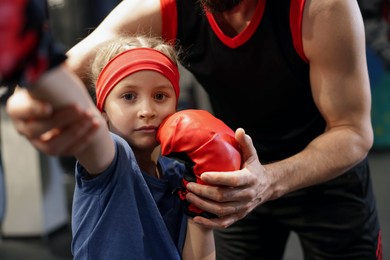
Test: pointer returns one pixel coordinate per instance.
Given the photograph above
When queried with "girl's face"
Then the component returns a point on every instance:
(137, 105)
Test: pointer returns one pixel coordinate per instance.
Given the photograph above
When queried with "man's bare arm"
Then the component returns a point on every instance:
(128, 18)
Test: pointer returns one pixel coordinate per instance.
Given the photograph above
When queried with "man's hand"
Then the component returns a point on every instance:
(236, 193)
(61, 132)
(214, 148)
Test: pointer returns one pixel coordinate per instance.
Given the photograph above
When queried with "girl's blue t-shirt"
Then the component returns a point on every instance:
(125, 214)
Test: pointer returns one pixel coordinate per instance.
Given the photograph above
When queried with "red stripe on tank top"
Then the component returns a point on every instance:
(169, 20)
(296, 16)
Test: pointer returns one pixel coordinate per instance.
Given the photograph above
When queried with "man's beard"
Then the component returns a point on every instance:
(219, 6)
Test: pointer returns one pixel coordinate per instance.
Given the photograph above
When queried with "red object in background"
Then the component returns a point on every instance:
(19, 36)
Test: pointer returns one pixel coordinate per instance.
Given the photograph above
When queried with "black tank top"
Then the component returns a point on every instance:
(256, 80)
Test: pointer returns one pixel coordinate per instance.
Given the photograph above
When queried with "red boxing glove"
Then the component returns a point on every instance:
(203, 142)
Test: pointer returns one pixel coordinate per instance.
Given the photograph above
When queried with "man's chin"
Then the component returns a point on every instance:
(219, 6)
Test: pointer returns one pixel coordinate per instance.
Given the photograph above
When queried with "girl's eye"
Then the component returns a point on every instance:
(160, 96)
(129, 96)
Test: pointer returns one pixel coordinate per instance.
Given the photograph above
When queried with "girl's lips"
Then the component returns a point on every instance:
(147, 129)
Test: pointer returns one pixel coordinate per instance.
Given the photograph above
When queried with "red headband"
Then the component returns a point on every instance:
(131, 61)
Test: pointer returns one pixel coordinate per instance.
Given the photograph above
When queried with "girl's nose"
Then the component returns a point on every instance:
(146, 110)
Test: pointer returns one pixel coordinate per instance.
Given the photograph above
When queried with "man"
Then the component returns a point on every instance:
(293, 75)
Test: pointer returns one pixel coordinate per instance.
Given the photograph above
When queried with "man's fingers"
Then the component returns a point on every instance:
(248, 150)
(216, 223)
(210, 206)
(219, 200)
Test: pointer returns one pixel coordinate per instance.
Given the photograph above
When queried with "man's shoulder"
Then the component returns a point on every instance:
(320, 7)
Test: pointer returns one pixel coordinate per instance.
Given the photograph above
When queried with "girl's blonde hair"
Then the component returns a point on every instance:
(113, 47)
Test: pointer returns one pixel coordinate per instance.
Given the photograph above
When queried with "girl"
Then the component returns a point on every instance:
(123, 206)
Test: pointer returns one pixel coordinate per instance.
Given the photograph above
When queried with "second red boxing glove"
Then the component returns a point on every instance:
(203, 142)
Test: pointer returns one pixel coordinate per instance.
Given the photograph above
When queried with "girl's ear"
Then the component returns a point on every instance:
(105, 116)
